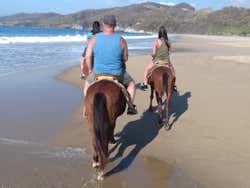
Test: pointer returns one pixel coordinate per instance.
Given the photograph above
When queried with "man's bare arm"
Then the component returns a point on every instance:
(89, 53)
(124, 47)
(154, 49)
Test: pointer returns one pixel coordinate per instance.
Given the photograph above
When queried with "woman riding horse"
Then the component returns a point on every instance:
(160, 74)
(160, 52)
(95, 29)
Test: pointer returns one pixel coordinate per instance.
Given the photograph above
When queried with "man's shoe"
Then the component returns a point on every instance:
(132, 110)
(144, 86)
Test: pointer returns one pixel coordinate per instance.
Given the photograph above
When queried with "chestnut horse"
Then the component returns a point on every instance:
(162, 82)
(104, 102)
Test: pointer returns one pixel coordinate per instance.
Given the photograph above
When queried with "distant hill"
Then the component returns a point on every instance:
(181, 18)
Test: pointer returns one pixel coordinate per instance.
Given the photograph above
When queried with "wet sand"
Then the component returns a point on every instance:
(22, 168)
(207, 143)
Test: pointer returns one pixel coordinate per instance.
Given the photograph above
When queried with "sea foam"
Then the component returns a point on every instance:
(58, 39)
(33, 39)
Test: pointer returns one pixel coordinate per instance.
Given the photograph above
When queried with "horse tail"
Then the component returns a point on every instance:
(101, 128)
(164, 83)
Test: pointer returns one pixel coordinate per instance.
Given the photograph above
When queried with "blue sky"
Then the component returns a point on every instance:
(8, 7)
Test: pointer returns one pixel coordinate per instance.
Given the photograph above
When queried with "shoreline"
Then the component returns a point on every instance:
(129, 30)
(202, 139)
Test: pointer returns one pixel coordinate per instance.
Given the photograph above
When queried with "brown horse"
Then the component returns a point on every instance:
(161, 81)
(104, 102)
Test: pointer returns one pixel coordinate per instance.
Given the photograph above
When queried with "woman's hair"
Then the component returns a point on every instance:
(95, 27)
(163, 34)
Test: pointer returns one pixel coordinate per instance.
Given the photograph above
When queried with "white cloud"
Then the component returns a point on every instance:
(111, 3)
(167, 3)
(239, 3)
(193, 5)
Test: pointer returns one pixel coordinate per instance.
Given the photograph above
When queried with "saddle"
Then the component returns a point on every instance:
(162, 62)
(106, 77)
(158, 64)
(114, 79)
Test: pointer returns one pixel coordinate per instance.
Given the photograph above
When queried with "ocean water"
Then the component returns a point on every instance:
(27, 48)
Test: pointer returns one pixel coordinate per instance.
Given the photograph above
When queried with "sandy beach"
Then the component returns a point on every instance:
(210, 130)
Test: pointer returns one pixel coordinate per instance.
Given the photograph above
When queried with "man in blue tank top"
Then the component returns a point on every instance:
(110, 54)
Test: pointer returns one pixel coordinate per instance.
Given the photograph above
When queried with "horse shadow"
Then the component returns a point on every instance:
(142, 131)
(178, 106)
(138, 133)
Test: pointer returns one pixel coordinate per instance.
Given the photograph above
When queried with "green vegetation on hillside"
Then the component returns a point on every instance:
(242, 31)
(181, 18)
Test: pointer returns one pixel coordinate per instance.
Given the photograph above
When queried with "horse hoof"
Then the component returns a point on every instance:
(95, 164)
(100, 176)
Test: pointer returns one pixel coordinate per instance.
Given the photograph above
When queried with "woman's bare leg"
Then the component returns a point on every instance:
(148, 67)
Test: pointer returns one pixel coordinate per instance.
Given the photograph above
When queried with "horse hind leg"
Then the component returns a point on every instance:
(150, 109)
(111, 135)
(167, 114)
(169, 94)
(95, 160)
(159, 102)
(97, 165)
(100, 169)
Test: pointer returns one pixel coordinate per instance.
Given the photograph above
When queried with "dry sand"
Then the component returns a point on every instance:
(208, 141)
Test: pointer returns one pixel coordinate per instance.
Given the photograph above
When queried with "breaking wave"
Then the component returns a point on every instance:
(58, 39)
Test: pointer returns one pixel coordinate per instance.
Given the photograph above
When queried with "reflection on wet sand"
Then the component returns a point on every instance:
(21, 167)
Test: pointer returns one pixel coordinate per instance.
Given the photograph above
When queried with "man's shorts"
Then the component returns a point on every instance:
(124, 78)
